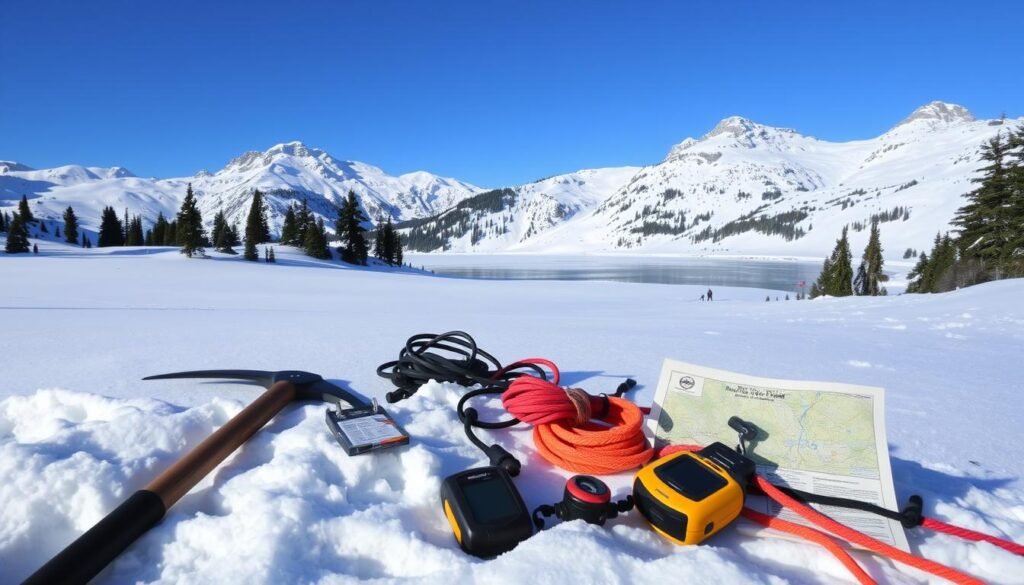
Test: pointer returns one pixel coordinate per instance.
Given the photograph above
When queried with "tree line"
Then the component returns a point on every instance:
(301, 228)
(988, 243)
(838, 279)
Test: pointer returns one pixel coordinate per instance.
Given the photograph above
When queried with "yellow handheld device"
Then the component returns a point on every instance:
(689, 496)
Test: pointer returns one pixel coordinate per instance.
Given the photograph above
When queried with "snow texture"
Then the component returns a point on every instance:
(79, 431)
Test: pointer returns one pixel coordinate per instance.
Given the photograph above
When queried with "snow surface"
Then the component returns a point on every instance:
(79, 431)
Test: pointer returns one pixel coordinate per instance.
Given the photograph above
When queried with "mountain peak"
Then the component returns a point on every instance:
(735, 125)
(9, 166)
(294, 148)
(937, 112)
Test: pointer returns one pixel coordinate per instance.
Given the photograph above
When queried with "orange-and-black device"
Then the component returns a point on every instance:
(689, 496)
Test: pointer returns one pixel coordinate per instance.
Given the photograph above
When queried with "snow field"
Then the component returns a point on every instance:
(79, 432)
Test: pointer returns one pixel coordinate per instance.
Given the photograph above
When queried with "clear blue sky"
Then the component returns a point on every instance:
(494, 93)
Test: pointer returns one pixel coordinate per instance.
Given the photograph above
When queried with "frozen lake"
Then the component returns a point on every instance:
(783, 275)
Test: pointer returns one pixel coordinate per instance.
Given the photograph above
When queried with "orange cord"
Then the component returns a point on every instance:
(815, 536)
(858, 538)
(616, 443)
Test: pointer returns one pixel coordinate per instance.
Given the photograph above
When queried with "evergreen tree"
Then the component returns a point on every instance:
(149, 238)
(111, 230)
(171, 233)
(350, 231)
(289, 231)
(219, 227)
(836, 277)
(70, 226)
(986, 220)
(133, 233)
(266, 254)
(398, 255)
(378, 240)
(35, 249)
(17, 236)
(190, 230)
(871, 263)
(43, 228)
(256, 228)
(316, 240)
(303, 217)
(25, 212)
(159, 230)
(273, 259)
(1013, 254)
(127, 228)
(224, 234)
(56, 232)
(3, 221)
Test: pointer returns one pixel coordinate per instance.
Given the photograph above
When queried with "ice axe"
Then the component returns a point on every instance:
(84, 558)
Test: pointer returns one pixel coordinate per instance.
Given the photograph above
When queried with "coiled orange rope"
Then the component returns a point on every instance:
(576, 431)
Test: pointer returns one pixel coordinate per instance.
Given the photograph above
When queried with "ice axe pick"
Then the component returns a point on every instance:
(84, 558)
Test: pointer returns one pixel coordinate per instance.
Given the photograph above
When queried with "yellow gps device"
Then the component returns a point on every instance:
(689, 496)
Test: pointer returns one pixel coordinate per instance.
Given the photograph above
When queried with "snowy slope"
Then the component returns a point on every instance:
(719, 194)
(507, 219)
(79, 430)
(287, 173)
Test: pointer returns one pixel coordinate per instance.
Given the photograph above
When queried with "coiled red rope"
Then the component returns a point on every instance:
(576, 431)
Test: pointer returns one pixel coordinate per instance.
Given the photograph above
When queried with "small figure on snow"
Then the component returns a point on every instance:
(35, 249)
(709, 294)
(702, 297)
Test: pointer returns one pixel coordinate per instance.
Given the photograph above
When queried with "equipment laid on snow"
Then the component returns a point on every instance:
(364, 429)
(485, 510)
(585, 498)
(687, 496)
(84, 558)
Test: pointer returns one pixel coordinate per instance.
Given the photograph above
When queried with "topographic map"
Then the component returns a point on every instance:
(821, 437)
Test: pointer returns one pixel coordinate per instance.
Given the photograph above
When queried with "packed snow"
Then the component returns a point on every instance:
(79, 430)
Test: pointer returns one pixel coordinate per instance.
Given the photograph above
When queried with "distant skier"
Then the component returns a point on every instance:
(709, 294)
(702, 297)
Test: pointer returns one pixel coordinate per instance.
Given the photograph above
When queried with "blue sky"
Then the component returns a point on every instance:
(494, 93)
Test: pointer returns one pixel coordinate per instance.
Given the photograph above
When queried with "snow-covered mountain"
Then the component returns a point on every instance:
(285, 173)
(745, 188)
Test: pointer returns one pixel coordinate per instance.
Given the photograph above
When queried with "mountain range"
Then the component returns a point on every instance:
(741, 189)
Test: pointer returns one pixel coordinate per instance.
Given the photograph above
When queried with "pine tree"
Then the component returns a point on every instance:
(133, 233)
(171, 233)
(159, 230)
(289, 232)
(378, 240)
(1013, 254)
(17, 236)
(303, 217)
(25, 212)
(985, 221)
(316, 240)
(350, 231)
(871, 263)
(43, 228)
(3, 221)
(190, 230)
(56, 231)
(273, 259)
(398, 255)
(83, 240)
(920, 276)
(836, 277)
(219, 227)
(127, 228)
(256, 228)
(111, 230)
(149, 238)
